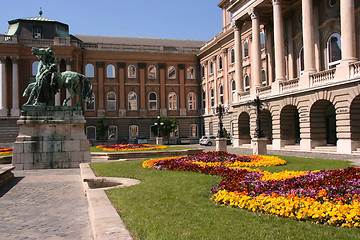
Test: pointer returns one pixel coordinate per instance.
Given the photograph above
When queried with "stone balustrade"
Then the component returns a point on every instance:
(355, 70)
(323, 77)
(290, 85)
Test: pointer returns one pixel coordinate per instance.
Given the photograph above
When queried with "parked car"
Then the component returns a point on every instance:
(207, 140)
(141, 140)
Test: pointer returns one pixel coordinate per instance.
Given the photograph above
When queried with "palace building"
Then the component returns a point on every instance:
(300, 57)
(134, 80)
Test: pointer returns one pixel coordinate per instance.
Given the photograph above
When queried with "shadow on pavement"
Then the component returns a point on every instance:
(9, 185)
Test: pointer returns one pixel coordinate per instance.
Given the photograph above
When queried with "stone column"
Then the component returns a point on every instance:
(256, 52)
(15, 111)
(3, 95)
(58, 95)
(182, 95)
(279, 41)
(308, 36)
(100, 95)
(347, 19)
(226, 80)
(162, 96)
(68, 68)
(291, 58)
(238, 58)
(142, 95)
(122, 96)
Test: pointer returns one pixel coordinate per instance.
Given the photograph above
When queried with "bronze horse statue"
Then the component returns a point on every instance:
(49, 81)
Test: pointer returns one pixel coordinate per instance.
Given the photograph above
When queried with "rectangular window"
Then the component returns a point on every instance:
(37, 33)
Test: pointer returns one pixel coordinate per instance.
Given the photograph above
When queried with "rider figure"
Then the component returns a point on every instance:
(43, 88)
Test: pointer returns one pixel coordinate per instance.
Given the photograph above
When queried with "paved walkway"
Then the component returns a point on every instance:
(44, 204)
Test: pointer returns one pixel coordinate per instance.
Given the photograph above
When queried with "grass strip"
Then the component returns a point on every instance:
(176, 205)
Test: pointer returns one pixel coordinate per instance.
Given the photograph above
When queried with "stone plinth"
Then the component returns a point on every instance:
(221, 144)
(159, 141)
(259, 146)
(50, 137)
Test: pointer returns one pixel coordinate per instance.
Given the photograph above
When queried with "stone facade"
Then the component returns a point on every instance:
(289, 54)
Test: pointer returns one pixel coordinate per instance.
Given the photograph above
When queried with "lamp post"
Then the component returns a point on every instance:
(159, 139)
(259, 140)
(221, 141)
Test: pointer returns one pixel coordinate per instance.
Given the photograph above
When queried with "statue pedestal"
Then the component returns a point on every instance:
(221, 144)
(50, 137)
(159, 141)
(259, 146)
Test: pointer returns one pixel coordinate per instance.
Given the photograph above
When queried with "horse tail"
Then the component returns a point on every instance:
(86, 87)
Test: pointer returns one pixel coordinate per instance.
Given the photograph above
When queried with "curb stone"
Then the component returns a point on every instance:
(106, 223)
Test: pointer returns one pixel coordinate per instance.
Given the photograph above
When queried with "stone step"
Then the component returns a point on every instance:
(325, 149)
(292, 147)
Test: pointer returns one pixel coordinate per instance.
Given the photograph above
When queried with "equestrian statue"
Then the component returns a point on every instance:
(48, 81)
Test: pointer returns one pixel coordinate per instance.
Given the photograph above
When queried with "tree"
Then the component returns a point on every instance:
(167, 126)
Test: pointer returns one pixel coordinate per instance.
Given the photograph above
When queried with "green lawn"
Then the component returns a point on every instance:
(176, 205)
(169, 148)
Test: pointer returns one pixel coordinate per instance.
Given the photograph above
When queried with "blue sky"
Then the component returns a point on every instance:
(179, 19)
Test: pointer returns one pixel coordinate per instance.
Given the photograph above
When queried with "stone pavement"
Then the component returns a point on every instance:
(44, 204)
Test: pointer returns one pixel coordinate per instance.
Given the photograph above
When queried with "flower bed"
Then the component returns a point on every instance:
(4, 151)
(129, 147)
(328, 196)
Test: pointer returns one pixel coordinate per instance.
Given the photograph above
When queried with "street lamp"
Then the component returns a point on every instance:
(220, 111)
(158, 124)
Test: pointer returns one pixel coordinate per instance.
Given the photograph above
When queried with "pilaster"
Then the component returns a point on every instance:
(15, 111)
(3, 94)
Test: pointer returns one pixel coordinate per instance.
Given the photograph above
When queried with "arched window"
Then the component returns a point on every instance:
(262, 40)
(132, 100)
(230, 17)
(112, 133)
(172, 101)
(152, 72)
(193, 130)
(111, 101)
(152, 101)
(220, 65)
(35, 66)
(90, 104)
(233, 91)
(192, 101)
(211, 69)
(221, 94)
(245, 49)
(263, 77)
(334, 50)
(90, 132)
(301, 60)
(232, 56)
(133, 131)
(190, 73)
(110, 71)
(89, 70)
(172, 72)
(212, 99)
(247, 83)
(203, 99)
(131, 71)
(202, 71)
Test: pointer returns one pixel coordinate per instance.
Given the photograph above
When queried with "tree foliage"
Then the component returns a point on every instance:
(167, 126)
